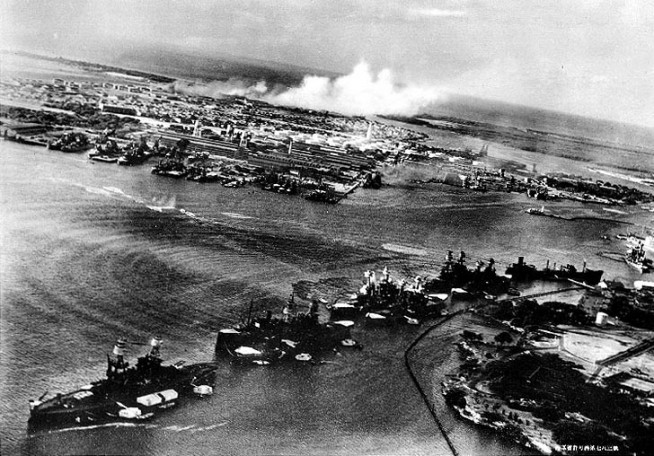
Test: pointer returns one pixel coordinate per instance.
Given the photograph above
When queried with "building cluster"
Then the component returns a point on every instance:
(318, 145)
(279, 139)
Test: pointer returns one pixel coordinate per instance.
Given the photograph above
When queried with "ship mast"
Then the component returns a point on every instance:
(116, 363)
(155, 347)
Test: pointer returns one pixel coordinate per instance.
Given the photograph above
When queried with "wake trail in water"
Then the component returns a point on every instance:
(86, 428)
(404, 249)
(193, 428)
(236, 216)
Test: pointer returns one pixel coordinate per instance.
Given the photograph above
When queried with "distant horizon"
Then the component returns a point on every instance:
(592, 59)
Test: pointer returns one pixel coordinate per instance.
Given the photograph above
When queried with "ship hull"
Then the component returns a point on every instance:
(640, 267)
(103, 400)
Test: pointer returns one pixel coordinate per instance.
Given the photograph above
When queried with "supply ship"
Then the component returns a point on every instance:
(522, 271)
(127, 393)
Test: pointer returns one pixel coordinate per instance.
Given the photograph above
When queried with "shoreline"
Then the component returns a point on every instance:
(419, 364)
(417, 383)
(538, 438)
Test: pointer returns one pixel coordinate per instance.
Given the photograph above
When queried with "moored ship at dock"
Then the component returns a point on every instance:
(522, 271)
(170, 168)
(70, 142)
(294, 337)
(637, 259)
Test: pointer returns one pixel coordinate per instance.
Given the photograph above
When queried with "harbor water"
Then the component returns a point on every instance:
(94, 251)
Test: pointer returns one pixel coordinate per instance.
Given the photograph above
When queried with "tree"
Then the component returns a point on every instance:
(182, 144)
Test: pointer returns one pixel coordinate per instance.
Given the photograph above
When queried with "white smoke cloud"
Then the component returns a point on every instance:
(358, 93)
(217, 89)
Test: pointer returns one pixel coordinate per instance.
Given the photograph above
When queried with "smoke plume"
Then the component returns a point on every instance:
(357, 93)
(218, 89)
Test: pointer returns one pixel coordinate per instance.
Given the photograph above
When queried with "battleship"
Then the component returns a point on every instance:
(455, 274)
(637, 259)
(127, 393)
(385, 301)
(296, 336)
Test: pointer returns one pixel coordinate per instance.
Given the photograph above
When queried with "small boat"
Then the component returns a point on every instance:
(247, 351)
(513, 292)
(203, 390)
(411, 321)
(344, 323)
(104, 158)
(438, 296)
(344, 310)
(377, 319)
(303, 357)
(535, 211)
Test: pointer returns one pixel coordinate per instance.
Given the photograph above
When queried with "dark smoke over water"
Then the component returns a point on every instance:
(359, 93)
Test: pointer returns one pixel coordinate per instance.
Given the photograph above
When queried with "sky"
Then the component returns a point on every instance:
(593, 58)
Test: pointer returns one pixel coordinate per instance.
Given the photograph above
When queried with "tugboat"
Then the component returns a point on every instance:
(535, 211)
(127, 393)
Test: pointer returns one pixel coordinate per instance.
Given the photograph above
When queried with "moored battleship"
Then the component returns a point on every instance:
(294, 337)
(127, 393)
(637, 259)
(455, 274)
(384, 301)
